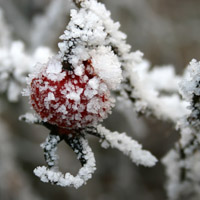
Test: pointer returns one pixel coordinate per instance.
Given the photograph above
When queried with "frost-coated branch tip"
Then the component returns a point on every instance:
(51, 173)
(182, 162)
(127, 145)
(30, 118)
(72, 92)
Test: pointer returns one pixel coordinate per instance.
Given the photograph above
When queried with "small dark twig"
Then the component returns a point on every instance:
(74, 142)
(49, 147)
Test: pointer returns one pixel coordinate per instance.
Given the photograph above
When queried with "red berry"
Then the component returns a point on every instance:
(71, 98)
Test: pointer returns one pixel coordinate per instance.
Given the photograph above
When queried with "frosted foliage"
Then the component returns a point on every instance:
(147, 88)
(127, 145)
(190, 83)
(15, 65)
(30, 118)
(173, 171)
(182, 163)
(87, 26)
(93, 25)
(50, 147)
(106, 65)
(190, 90)
(56, 177)
(183, 174)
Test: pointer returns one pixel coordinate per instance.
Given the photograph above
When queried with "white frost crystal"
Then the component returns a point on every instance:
(55, 177)
(127, 145)
(107, 66)
(15, 65)
(88, 28)
(182, 163)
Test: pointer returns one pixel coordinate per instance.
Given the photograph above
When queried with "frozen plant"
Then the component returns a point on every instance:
(71, 93)
(183, 162)
(15, 63)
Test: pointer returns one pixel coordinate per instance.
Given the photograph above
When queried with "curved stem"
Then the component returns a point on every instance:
(75, 143)
(50, 147)
(80, 146)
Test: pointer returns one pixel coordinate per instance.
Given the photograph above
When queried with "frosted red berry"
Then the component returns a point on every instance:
(71, 98)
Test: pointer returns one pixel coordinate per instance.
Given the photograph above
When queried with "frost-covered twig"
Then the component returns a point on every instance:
(126, 145)
(15, 62)
(50, 147)
(138, 83)
(182, 163)
(15, 65)
(30, 118)
(71, 92)
(55, 177)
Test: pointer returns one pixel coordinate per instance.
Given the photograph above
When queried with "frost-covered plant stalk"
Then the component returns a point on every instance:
(183, 162)
(71, 93)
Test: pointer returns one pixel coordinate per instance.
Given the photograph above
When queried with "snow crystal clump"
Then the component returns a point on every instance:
(55, 177)
(107, 66)
(127, 145)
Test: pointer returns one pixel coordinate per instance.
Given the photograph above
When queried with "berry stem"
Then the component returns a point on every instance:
(74, 142)
(50, 147)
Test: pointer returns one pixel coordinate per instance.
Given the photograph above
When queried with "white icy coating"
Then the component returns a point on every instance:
(15, 65)
(190, 84)
(56, 177)
(50, 147)
(149, 85)
(15, 62)
(72, 98)
(126, 145)
(92, 25)
(107, 66)
(30, 118)
(87, 36)
(182, 163)
(173, 170)
(54, 70)
(190, 90)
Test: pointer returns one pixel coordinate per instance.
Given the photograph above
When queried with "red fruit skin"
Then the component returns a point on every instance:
(69, 118)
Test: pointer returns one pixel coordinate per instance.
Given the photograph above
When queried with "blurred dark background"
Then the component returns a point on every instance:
(167, 32)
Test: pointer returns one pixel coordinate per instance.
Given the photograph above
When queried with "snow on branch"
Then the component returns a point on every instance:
(30, 118)
(15, 65)
(72, 92)
(139, 84)
(128, 146)
(54, 176)
(182, 163)
(15, 62)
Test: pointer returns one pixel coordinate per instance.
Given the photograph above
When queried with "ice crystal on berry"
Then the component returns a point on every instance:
(71, 94)
(70, 99)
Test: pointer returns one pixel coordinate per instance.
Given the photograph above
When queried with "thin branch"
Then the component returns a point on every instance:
(52, 175)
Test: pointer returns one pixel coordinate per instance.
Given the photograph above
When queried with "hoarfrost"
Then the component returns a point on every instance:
(56, 177)
(128, 146)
